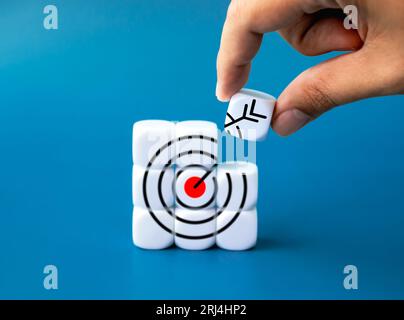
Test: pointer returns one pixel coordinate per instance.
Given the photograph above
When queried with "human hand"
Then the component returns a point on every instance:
(374, 67)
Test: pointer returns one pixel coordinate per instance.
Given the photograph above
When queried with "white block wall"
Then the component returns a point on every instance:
(183, 196)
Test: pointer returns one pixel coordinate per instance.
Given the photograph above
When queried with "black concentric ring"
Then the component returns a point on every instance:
(167, 209)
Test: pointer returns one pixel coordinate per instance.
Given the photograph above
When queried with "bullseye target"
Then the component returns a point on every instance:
(194, 186)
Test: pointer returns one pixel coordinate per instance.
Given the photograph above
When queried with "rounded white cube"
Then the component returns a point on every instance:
(191, 193)
(204, 229)
(149, 144)
(147, 233)
(196, 143)
(241, 234)
(231, 187)
(153, 187)
(249, 115)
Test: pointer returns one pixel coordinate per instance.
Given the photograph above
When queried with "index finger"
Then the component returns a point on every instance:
(245, 24)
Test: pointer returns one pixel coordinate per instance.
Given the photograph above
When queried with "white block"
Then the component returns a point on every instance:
(185, 228)
(150, 136)
(194, 193)
(241, 234)
(153, 188)
(249, 114)
(147, 233)
(230, 194)
(196, 137)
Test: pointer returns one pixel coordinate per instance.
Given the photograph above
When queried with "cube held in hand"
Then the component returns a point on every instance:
(249, 115)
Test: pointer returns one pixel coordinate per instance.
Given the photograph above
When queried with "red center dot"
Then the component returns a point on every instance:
(190, 189)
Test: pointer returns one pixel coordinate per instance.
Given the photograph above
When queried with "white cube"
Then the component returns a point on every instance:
(196, 143)
(149, 234)
(239, 235)
(159, 185)
(195, 229)
(196, 188)
(150, 143)
(249, 114)
(237, 181)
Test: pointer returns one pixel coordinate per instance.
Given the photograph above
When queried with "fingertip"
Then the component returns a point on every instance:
(220, 93)
(221, 99)
(230, 80)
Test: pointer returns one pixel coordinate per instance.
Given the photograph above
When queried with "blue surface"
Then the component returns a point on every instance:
(330, 195)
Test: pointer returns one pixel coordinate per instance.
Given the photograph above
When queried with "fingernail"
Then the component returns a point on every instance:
(290, 121)
(219, 95)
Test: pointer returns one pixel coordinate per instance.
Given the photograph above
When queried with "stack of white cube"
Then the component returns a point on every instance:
(148, 137)
(231, 218)
(242, 234)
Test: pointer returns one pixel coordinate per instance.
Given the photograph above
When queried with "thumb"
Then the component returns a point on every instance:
(341, 80)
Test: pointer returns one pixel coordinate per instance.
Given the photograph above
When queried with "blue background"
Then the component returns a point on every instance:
(330, 196)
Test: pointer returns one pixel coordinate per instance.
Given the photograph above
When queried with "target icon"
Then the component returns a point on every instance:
(183, 196)
(195, 187)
